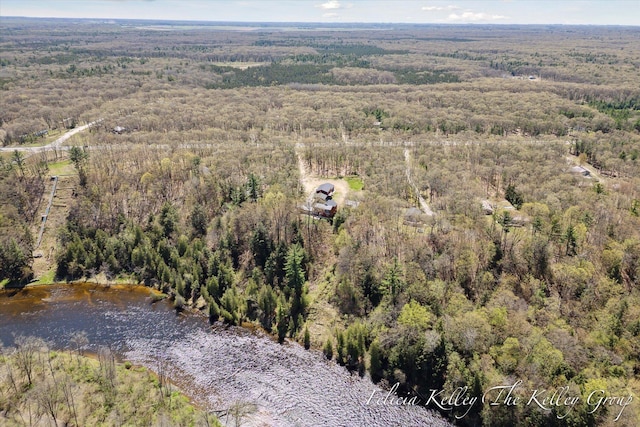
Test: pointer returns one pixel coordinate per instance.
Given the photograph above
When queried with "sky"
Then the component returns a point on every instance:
(581, 12)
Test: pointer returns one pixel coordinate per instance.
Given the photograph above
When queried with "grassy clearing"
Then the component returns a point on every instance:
(47, 278)
(240, 65)
(323, 316)
(355, 183)
(63, 167)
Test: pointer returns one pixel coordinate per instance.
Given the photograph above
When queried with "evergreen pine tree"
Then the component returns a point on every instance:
(328, 349)
(307, 339)
(282, 319)
(375, 363)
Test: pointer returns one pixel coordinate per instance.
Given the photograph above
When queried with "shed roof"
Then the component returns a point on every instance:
(487, 206)
(322, 206)
(326, 188)
(413, 212)
(580, 170)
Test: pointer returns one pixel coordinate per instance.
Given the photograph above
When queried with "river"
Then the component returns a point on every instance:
(219, 366)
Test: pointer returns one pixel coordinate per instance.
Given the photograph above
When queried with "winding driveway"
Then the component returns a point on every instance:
(55, 144)
(423, 204)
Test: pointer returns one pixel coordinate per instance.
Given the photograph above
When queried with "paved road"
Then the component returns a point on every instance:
(55, 144)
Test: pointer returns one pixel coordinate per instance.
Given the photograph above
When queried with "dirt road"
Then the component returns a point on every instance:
(423, 204)
(55, 144)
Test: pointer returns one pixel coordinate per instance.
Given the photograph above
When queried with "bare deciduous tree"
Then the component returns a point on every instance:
(26, 352)
(49, 397)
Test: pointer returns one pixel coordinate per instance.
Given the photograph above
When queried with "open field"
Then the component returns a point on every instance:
(476, 254)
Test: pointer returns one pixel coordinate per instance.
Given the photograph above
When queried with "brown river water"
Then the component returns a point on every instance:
(284, 385)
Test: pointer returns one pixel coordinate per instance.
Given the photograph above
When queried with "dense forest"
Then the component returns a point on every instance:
(522, 141)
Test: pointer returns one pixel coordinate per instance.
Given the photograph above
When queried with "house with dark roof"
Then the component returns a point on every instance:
(322, 204)
(326, 189)
(327, 210)
(321, 197)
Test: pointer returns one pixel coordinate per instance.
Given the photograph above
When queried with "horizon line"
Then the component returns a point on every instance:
(333, 23)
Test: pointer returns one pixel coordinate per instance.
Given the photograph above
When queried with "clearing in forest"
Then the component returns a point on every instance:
(44, 255)
(310, 182)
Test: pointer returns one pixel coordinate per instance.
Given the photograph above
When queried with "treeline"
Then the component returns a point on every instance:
(623, 112)
(21, 189)
(282, 73)
(323, 111)
(338, 48)
(274, 74)
(410, 77)
(185, 267)
(275, 295)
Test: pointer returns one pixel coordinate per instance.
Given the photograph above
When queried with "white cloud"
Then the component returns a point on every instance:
(330, 15)
(331, 4)
(440, 8)
(469, 16)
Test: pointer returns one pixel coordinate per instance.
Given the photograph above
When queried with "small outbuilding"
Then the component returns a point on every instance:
(414, 217)
(580, 170)
(487, 207)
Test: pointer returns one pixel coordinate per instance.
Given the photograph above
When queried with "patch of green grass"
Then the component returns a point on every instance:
(355, 183)
(4, 283)
(125, 279)
(60, 168)
(47, 278)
